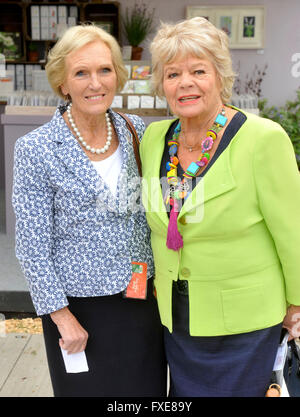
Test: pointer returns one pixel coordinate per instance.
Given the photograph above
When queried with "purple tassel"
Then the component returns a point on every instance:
(174, 238)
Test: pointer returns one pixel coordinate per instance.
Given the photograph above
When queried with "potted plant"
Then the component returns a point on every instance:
(33, 55)
(137, 24)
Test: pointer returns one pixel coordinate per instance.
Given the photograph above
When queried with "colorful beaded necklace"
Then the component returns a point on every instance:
(179, 189)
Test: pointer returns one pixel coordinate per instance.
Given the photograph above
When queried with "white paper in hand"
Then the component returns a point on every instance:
(75, 362)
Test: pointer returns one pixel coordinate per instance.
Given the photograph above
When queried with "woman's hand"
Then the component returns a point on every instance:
(292, 321)
(73, 335)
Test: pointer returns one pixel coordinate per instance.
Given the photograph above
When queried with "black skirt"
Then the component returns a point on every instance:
(125, 352)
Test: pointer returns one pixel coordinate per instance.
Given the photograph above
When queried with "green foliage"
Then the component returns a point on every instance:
(288, 116)
(137, 23)
(32, 47)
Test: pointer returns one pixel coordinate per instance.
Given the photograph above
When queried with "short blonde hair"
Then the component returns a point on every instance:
(196, 36)
(73, 39)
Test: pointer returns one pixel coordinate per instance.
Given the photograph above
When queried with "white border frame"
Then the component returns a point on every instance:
(237, 40)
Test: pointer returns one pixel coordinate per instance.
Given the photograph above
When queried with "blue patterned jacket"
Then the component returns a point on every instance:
(73, 237)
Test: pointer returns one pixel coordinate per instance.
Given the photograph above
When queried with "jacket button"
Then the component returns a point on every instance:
(185, 272)
(182, 220)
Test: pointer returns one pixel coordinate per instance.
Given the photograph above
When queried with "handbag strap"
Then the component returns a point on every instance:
(135, 141)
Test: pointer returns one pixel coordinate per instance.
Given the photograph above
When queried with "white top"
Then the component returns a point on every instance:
(109, 169)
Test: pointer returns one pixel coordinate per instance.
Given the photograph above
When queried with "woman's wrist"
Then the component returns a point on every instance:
(61, 315)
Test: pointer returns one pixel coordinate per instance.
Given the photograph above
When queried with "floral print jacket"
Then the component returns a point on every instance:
(73, 237)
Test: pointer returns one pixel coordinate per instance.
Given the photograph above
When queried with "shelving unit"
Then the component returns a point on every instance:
(12, 21)
(15, 17)
(137, 91)
(30, 18)
(106, 15)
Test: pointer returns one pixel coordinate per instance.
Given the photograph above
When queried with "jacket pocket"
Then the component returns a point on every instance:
(243, 309)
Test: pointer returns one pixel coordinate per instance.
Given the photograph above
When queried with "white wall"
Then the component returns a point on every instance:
(282, 41)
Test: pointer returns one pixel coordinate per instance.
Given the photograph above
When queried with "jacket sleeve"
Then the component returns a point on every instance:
(278, 187)
(32, 200)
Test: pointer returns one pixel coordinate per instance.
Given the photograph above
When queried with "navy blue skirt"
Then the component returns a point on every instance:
(238, 365)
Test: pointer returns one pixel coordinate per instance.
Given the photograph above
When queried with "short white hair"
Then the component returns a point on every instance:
(198, 37)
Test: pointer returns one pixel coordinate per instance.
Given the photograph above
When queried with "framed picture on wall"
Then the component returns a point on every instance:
(199, 11)
(227, 20)
(11, 45)
(251, 28)
(107, 26)
(243, 25)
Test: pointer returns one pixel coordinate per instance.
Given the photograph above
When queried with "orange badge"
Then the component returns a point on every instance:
(137, 287)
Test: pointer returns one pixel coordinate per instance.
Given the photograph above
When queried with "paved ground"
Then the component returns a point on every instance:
(23, 365)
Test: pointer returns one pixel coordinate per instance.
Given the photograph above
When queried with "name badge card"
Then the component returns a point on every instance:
(137, 287)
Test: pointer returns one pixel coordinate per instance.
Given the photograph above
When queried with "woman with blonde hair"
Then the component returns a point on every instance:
(221, 189)
(79, 238)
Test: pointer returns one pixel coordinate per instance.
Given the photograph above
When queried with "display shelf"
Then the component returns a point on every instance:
(12, 26)
(49, 110)
(30, 18)
(104, 15)
(144, 112)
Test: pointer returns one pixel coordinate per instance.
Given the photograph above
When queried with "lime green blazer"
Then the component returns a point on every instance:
(240, 228)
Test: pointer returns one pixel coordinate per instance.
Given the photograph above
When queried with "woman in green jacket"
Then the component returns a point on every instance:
(221, 190)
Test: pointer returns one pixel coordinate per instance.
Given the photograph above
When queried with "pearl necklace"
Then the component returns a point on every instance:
(83, 142)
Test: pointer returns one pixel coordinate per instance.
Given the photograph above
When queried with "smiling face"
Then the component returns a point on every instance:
(91, 79)
(192, 87)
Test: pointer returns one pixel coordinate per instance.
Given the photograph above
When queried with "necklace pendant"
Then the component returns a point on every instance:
(221, 119)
